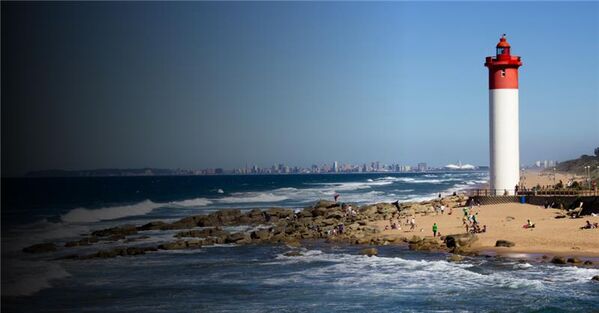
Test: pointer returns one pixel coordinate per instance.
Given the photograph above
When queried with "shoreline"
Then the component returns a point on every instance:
(364, 224)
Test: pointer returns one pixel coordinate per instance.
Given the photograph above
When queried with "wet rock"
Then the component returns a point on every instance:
(415, 239)
(587, 262)
(595, 278)
(202, 233)
(455, 258)
(40, 248)
(137, 239)
(157, 225)
(325, 204)
(238, 238)
(279, 212)
(262, 234)
(460, 240)
(119, 231)
(504, 243)
(574, 260)
(119, 251)
(369, 251)
(293, 253)
(87, 241)
(558, 260)
(181, 244)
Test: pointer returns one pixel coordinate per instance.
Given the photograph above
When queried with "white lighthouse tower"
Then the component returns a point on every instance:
(503, 118)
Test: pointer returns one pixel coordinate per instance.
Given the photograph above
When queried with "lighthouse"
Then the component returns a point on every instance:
(503, 118)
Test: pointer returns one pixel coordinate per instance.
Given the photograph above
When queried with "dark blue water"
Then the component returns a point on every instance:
(255, 278)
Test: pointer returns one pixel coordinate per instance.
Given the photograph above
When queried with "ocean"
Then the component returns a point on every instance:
(229, 278)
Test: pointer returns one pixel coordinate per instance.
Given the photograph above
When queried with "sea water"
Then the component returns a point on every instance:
(229, 278)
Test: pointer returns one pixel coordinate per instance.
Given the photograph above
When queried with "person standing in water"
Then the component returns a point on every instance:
(435, 230)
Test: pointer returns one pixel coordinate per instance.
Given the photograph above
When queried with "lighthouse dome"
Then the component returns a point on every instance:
(503, 42)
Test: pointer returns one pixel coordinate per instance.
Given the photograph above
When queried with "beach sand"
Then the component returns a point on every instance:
(531, 178)
(504, 222)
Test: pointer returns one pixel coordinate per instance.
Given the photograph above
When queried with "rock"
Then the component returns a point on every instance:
(574, 260)
(369, 251)
(292, 243)
(158, 225)
(279, 212)
(595, 278)
(238, 238)
(325, 204)
(504, 243)
(181, 244)
(460, 240)
(40, 248)
(560, 216)
(415, 239)
(119, 251)
(293, 253)
(82, 242)
(455, 258)
(587, 262)
(119, 231)
(558, 260)
(262, 234)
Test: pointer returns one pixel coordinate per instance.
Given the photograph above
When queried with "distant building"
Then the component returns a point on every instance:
(335, 167)
(422, 167)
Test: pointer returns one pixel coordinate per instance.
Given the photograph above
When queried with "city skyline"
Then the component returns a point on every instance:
(219, 84)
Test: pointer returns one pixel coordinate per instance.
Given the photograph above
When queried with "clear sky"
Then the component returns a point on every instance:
(195, 85)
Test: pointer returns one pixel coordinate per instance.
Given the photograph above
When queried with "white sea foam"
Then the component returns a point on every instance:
(253, 197)
(24, 278)
(424, 274)
(83, 215)
(86, 215)
(193, 202)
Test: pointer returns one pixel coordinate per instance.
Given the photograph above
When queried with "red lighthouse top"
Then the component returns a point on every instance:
(503, 67)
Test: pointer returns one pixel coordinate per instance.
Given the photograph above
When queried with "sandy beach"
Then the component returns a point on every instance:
(505, 221)
(531, 178)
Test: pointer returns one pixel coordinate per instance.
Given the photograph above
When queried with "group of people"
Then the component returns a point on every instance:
(471, 223)
(397, 225)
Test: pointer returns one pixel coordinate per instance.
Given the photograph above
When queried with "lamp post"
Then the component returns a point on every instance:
(587, 172)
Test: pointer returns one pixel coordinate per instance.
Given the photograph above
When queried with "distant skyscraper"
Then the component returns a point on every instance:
(335, 167)
(422, 167)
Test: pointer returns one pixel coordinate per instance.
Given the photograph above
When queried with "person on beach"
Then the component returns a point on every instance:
(434, 229)
(442, 209)
(529, 224)
(336, 197)
(413, 224)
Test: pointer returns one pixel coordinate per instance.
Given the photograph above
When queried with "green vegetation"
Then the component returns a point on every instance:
(582, 165)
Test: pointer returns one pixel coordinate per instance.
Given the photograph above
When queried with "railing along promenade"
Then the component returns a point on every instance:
(537, 192)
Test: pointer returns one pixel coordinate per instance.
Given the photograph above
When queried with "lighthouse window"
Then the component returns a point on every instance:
(499, 51)
(502, 73)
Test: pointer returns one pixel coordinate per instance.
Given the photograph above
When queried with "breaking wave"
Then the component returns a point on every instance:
(83, 215)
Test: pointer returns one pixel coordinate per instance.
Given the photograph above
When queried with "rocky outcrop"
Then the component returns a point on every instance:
(558, 260)
(425, 244)
(595, 278)
(504, 243)
(112, 253)
(40, 248)
(87, 241)
(325, 220)
(460, 240)
(455, 258)
(369, 252)
(116, 232)
(574, 260)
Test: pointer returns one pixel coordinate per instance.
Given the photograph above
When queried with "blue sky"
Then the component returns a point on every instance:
(196, 85)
